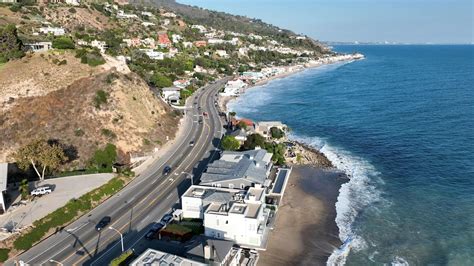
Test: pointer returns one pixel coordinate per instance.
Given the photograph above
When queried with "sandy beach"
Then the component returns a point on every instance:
(305, 231)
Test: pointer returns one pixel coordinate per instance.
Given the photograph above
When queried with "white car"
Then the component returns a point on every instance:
(41, 191)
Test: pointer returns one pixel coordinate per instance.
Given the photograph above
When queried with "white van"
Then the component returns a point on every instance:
(41, 191)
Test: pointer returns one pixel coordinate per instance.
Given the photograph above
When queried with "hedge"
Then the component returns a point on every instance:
(121, 259)
(4, 254)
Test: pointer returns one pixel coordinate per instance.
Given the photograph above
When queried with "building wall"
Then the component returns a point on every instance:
(192, 207)
(236, 183)
(233, 227)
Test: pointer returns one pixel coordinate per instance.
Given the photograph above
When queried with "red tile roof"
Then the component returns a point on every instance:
(163, 39)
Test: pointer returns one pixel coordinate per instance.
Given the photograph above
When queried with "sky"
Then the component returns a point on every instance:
(402, 21)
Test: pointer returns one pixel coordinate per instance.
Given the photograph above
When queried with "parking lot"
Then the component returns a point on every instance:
(63, 190)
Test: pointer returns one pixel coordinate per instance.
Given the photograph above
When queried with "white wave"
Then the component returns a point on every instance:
(399, 261)
(354, 195)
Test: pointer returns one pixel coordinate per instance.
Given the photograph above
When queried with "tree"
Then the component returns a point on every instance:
(242, 125)
(10, 45)
(63, 43)
(41, 155)
(161, 81)
(276, 133)
(24, 189)
(253, 141)
(104, 159)
(229, 143)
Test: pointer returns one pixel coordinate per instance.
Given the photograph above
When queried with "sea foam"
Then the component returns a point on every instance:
(354, 196)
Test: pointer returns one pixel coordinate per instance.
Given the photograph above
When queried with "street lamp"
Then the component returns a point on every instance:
(121, 236)
(192, 177)
(55, 261)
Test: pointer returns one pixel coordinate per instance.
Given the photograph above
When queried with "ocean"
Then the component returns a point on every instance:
(400, 123)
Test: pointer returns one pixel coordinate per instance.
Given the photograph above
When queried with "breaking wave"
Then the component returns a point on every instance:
(354, 196)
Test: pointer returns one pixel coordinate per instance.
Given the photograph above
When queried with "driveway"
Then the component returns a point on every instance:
(64, 189)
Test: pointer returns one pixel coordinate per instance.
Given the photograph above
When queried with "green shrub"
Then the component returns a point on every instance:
(121, 259)
(104, 159)
(108, 133)
(229, 143)
(63, 43)
(100, 98)
(72, 10)
(4, 254)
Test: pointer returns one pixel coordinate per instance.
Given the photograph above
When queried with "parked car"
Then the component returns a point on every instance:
(167, 170)
(167, 218)
(103, 223)
(156, 227)
(41, 191)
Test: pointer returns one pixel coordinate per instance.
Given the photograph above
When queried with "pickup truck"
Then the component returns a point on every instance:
(41, 191)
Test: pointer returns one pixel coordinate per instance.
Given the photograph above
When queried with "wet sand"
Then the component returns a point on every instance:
(305, 231)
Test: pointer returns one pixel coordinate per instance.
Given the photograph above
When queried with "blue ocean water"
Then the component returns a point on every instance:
(401, 124)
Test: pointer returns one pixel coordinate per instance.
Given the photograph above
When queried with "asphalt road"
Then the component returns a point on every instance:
(145, 200)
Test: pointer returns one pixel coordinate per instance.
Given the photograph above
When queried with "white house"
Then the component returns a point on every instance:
(73, 2)
(187, 44)
(39, 46)
(171, 94)
(147, 14)
(200, 28)
(234, 88)
(155, 55)
(169, 15)
(101, 45)
(122, 14)
(147, 24)
(222, 53)
(229, 214)
(56, 31)
(181, 83)
(263, 127)
(176, 38)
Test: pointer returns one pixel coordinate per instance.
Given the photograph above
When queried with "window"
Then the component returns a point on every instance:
(242, 186)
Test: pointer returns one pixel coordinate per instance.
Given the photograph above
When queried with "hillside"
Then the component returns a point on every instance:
(133, 118)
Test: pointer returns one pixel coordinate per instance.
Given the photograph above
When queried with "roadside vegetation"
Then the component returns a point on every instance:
(57, 220)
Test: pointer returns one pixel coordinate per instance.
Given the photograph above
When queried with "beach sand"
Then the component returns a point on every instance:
(305, 231)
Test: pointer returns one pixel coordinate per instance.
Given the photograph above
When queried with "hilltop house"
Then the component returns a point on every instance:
(163, 40)
(56, 31)
(155, 55)
(181, 83)
(171, 94)
(39, 46)
(200, 28)
(200, 43)
(122, 14)
(238, 169)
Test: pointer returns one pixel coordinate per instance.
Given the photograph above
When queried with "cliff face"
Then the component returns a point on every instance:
(131, 116)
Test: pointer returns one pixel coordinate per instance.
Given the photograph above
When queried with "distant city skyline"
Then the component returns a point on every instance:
(393, 21)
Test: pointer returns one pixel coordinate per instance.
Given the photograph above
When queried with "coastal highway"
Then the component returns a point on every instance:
(145, 200)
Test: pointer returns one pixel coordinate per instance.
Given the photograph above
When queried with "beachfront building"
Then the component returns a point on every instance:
(215, 252)
(263, 128)
(252, 75)
(229, 214)
(156, 257)
(171, 94)
(239, 169)
(234, 88)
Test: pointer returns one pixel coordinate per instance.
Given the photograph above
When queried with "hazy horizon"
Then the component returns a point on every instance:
(393, 21)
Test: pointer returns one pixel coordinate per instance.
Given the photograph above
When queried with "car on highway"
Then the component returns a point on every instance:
(191, 143)
(204, 113)
(167, 170)
(200, 121)
(167, 218)
(40, 191)
(103, 223)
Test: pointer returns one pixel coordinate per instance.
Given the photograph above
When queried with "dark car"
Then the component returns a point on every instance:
(167, 218)
(167, 170)
(153, 230)
(103, 223)
(191, 143)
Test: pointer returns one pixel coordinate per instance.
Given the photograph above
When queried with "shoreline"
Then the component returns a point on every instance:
(307, 220)
(224, 101)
